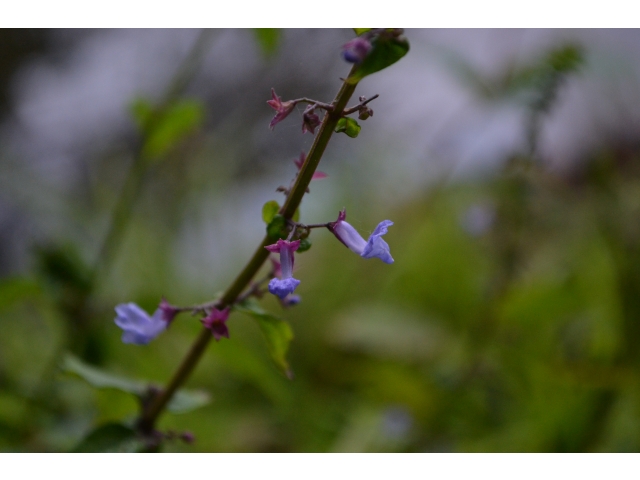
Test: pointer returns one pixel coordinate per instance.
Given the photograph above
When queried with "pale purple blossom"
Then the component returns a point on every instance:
(374, 247)
(281, 287)
(138, 327)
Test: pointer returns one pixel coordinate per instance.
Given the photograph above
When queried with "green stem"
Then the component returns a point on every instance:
(151, 413)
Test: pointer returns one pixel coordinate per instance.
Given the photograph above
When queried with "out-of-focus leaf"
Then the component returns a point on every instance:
(360, 31)
(385, 51)
(296, 215)
(165, 128)
(349, 126)
(269, 210)
(277, 228)
(277, 332)
(268, 39)
(17, 289)
(305, 244)
(142, 112)
(62, 267)
(183, 401)
(100, 379)
(187, 400)
(112, 438)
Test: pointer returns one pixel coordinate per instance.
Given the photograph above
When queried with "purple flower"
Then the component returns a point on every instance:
(310, 120)
(281, 287)
(138, 327)
(354, 51)
(282, 108)
(216, 321)
(374, 247)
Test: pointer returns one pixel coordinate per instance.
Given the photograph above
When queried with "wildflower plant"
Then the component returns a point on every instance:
(286, 236)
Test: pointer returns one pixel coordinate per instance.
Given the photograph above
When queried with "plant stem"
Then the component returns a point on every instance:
(155, 407)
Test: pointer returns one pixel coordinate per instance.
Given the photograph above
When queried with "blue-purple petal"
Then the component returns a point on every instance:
(283, 287)
(376, 247)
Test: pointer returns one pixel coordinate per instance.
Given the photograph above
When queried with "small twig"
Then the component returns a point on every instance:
(349, 111)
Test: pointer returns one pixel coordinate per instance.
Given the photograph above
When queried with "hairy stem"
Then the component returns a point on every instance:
(151, 413)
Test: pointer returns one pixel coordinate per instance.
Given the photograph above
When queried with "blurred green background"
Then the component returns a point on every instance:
(508, 161)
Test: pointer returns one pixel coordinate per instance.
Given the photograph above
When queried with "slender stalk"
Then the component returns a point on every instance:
(155, 407)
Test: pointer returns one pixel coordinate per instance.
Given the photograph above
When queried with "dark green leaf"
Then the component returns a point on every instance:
(277, 228)
(269, 211)
(187, 400)
(305, 244)
(99, 379)
(385, 51)
(277, 332)
(348, 126)
(17, 289)
(62, 267)
(268, 39)
(111, 437)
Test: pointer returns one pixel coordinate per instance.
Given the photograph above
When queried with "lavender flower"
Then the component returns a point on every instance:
(138, 327)
(283, 109)
(281, 287)
(355, 51)
(375, 246)
(216, 322)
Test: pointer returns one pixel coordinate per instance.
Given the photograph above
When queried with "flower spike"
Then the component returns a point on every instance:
(374, 247)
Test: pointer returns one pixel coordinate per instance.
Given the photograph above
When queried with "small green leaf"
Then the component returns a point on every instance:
(277, 332)
(269, 211)
(385, 51)
(99, 379)
(348, 126)
(360, 31)
(268, 39)
(111, 437)
(305, 244)
(296, 215)
(277, 228)
(187, 400)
